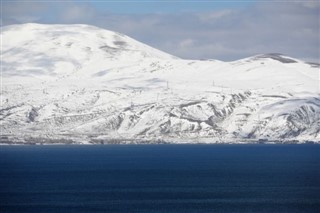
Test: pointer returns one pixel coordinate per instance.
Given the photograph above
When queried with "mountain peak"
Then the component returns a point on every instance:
(277, 57)
(56, 49)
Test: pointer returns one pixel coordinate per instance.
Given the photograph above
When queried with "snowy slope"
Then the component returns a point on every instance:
(85, 84)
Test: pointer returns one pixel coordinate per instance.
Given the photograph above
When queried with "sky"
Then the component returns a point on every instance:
(224, 30)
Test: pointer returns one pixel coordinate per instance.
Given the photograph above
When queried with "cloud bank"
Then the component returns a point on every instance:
(290, 28)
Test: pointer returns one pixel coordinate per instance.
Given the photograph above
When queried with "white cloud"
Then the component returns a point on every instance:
(27, 18)
(290, 28)
(20, 12)
(74, 13)
(186, 43)
(214, 15)
(313, 4)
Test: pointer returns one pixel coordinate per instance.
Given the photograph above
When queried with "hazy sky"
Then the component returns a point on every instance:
(225, 30)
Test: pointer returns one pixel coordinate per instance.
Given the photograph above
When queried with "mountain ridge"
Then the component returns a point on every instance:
(98, 85)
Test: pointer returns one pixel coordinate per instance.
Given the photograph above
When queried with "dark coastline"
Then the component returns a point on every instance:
(12, 140)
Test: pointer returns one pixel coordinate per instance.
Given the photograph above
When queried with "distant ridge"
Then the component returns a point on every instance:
(83, 84)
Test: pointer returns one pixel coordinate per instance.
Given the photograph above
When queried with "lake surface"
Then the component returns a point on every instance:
(160, 178)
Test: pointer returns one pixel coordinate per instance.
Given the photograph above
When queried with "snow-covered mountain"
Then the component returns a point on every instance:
(85, 84)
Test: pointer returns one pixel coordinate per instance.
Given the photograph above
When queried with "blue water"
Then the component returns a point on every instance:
(160, 178)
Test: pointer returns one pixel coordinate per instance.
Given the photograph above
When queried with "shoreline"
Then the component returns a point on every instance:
(30, 141)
